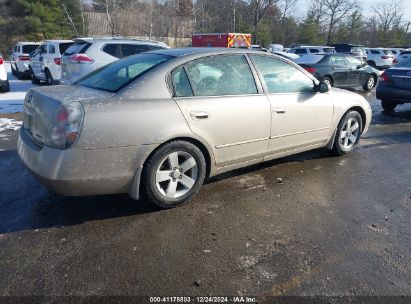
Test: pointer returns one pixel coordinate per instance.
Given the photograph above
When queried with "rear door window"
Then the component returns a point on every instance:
(52, 49)
(29, 48)
(314, 51)
(132, 49)
(221, 75)
(301, 51)
(374, 52)
(181, 84)
(112, 49)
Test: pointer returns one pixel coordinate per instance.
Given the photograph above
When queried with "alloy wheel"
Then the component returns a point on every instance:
(177, 174)
(371, 83)
(349, 133)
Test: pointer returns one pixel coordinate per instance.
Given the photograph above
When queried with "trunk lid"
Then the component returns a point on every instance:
(401, 77)
(42, 104)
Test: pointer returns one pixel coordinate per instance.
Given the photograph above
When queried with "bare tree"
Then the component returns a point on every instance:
(287, 8)
(335, 11)
(389, 14)
(259, 9)
(111, 9)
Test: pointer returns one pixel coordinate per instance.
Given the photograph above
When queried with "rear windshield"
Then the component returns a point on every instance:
(404, 64)
(310, 59)
(406, 53)
(29, 48)
(329, 50)
(64, 46)
(119, 74)
(77, 48)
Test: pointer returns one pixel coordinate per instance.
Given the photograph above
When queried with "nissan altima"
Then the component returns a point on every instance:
(158, 123)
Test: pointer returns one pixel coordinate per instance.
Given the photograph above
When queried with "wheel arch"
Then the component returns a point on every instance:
(330, 77)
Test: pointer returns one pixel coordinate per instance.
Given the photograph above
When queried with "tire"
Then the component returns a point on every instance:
(6, 87)
(49, 78)
(34, 79)
(328, 80)
(348, 133)
(388, 106)
(370, 83)
(13, 70)
(175, 185)
(18, 74)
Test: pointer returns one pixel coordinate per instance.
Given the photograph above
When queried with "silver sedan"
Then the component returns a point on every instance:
(157, 124)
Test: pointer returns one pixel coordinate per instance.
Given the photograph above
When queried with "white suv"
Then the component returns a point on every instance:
(309, 50)
(4, 82)
(405, 54)
(45, 64)
(89, 54)
(19, 59)
(380, 58)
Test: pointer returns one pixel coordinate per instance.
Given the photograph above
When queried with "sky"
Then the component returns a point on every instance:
(367, 5)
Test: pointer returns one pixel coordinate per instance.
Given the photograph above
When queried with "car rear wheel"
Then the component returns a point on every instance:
(174, 174)
(388, 105)
(49, 78)
(34, 79)
(328, 81)
(348, 133)
(370, 83)
(6, 87)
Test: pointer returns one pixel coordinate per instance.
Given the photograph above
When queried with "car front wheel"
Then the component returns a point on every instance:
(174, 174)
(348, 133)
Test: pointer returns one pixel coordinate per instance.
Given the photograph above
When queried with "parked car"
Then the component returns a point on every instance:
(340, 70)
(356, 50)
(394, 87)
(276, 48)
(4, 82)
(309, 50)
(45, 63)
(19, 59)
(380, 58)
(161, 122)
(89, 54)
(396, 51)
(403, 55)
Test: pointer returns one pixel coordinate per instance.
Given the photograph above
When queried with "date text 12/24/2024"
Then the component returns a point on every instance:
(206, 299)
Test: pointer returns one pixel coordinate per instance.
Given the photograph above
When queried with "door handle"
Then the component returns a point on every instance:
(280, 110)
(199, 115)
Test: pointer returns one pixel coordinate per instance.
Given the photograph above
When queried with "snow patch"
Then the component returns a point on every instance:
(9, 124)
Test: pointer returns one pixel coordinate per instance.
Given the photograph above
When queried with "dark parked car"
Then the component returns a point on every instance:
(340, 70)
(356, 50)
(394, 87)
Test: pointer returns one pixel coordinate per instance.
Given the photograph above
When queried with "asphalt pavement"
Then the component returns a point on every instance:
(310, 224)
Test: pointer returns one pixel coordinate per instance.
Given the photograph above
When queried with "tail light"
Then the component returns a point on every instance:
(1, 61)
(24, 58)
(81, 58)
(384, 77)
(385, 57)
(68, 121)
(57, 61)
(310, 70)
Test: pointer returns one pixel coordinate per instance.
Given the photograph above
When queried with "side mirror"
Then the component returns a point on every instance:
(322, 87)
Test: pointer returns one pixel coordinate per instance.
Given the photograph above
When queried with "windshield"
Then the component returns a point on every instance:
(115, 76)
(404, 64)
(77, 47)
(29, 48)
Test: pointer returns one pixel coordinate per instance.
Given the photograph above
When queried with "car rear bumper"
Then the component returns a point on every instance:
(394, 94)
(80, 172)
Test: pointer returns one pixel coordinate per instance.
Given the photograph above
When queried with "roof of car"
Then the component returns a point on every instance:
(119, 39)
(28, 42)
(59, 41)
(181, 52)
